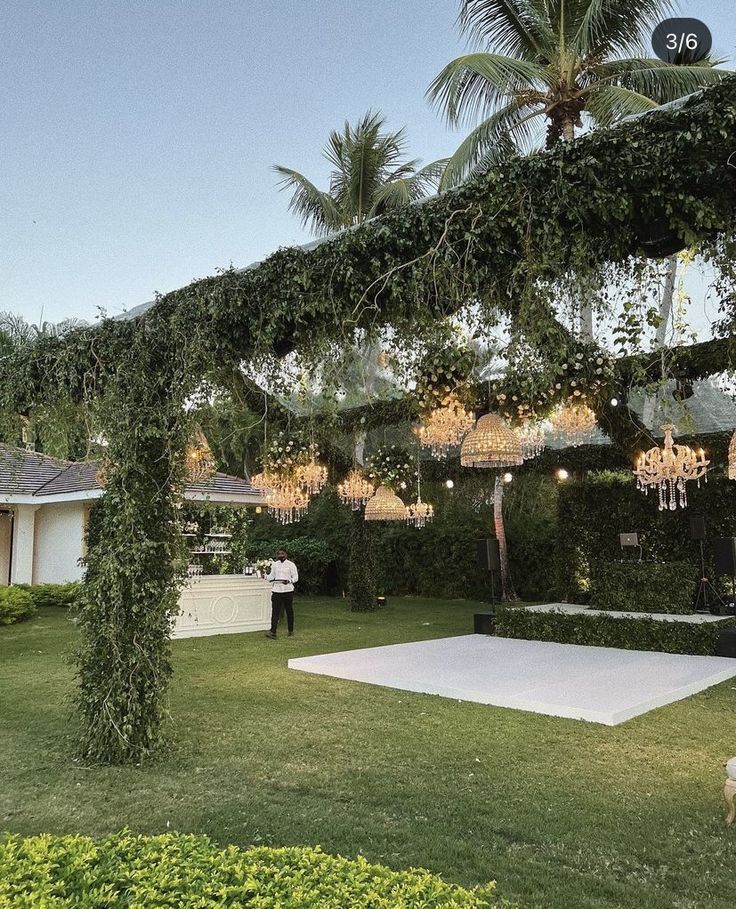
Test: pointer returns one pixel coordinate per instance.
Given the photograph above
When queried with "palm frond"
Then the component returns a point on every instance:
(518, 28)
(506, 132)
(616, 26)
(315, 209)
(404, 188)
(658, 80)
(608, 103)
(480, 83)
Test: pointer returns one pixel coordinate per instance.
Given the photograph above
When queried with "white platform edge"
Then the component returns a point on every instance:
(521, 703)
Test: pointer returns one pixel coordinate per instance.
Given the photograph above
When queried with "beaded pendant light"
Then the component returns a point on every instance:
(492, 443)
(418, 513)
(385, 506)
(444, 427)
(575, 422)
(732, 458)
(355, 490)
(532, 437)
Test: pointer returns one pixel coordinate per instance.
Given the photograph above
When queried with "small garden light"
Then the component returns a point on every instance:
(614, 402)
(450, 484)
(562, 474)
(508, 477)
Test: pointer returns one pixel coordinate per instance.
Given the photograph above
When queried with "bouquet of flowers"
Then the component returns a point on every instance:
(263, 566)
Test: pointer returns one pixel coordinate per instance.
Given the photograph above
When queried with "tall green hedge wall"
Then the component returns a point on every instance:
(558, 532)
(592, 513)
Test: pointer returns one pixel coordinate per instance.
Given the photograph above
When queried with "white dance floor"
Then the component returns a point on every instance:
(598, 684)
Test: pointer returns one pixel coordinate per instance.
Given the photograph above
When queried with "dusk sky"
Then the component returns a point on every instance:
(138, 137)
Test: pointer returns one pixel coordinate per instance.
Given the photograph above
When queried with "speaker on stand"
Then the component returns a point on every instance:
(489, 559)
(708, 598)
(724, 558)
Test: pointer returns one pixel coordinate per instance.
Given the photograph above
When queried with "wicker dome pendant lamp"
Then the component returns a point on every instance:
(385, 505)
(492, 443)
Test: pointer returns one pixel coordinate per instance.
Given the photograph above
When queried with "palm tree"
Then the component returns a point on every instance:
(554, 61)
(370, 175)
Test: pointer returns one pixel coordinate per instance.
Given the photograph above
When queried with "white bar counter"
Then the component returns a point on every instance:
(223, 604)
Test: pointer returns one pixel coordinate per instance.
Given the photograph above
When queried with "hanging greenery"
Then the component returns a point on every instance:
(584, 375)
(443, 371)
(500, 247)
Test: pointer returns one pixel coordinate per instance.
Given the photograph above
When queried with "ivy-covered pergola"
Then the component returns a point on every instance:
(507, 243)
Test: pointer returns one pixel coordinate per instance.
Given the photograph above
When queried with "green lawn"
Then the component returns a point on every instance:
(563, 814)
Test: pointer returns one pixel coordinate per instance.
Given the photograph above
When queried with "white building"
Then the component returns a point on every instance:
(44, 507)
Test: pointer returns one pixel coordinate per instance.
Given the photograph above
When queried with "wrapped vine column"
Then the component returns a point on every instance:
(131, 587)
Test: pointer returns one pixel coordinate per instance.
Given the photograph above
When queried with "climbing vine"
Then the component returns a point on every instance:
(506, 247)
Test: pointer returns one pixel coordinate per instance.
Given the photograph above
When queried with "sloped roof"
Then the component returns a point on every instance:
(28, 473)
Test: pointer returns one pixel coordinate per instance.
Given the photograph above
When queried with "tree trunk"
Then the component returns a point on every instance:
(665, 313)
(507, 584)
(586, 317)
(359, 450)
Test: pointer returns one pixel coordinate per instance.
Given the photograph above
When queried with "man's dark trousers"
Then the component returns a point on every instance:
(280, 601)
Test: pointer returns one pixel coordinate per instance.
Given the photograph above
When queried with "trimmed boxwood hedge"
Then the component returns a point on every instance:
(644, 586)
(16, 604)
(125, 872)
(609, 631)
(62, 596)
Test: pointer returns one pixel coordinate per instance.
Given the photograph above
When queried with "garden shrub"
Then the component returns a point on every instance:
(311, 556)
(362, 590)
(62, 596)
(16, 604)
(123, 872)
(644, 586)
(609, 631)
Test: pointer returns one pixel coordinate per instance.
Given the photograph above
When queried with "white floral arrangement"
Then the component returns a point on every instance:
(393, 466)
(286, 453)
(263, 566)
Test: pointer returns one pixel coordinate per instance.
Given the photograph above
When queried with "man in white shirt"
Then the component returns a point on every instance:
(283, 575)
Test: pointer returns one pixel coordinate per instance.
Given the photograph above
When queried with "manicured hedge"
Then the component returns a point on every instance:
(62, 596)
(16, 604)
(644, 586)
(609, 631)
(136, 872)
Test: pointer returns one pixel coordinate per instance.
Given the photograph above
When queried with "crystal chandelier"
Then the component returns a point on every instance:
(287, 503)
(418, 513)
(355, 490)
(668, 469)
(492, 443)
(732, 458)
(532, 437)
(385, 506)
(265, 481)
(575, 423)
(199, 462)
(311, 477)
(444, 427)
